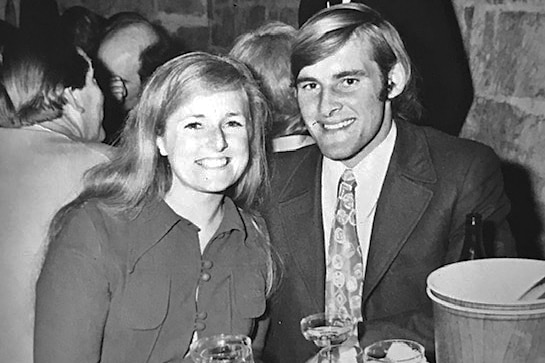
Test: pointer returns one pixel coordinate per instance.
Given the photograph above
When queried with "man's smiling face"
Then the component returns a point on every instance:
(339, 98)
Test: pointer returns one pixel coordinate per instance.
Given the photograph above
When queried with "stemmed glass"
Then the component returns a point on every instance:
(222, 348)
(326, 329)
(343, 353)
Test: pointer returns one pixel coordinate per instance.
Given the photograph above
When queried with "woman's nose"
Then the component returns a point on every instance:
(218, 139)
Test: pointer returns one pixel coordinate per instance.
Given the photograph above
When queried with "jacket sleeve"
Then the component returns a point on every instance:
(483, 191)
(72, 296)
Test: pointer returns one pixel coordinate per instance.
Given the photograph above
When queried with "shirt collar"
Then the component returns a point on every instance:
(232, 218)
(379, 157)
(165, 217)
(370, 174)
(157, 219)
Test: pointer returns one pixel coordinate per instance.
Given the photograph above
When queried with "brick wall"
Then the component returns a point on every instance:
(505, 40)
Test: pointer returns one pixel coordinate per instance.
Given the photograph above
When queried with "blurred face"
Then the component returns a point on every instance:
(91, 99)
(206, 142)
(121, 56)
(339, 101)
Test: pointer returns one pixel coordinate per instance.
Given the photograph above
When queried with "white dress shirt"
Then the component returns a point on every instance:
(370, 174)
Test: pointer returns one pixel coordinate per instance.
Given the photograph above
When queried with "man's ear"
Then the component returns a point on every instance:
(397, 80)
(72, 98)
(160, 142)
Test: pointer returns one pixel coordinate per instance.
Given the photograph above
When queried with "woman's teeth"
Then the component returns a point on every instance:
(213, 162)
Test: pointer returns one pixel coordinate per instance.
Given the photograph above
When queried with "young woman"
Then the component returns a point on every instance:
(161, 247)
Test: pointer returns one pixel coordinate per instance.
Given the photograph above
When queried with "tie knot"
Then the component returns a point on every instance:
(348, 177)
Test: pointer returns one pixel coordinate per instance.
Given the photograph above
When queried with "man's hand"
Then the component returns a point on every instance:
(118, 88)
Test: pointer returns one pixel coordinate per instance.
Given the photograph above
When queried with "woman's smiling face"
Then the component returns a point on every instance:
(206, 142)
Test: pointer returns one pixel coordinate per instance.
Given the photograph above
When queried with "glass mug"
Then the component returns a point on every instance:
(395, 351)
(222, 348)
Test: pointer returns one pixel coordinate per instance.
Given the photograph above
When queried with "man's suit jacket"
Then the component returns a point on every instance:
(429, 29)
(433, 181)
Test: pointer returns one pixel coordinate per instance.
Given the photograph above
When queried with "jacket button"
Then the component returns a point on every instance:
(199, 325)
(205, 276)
(207, 264)
(202, 315)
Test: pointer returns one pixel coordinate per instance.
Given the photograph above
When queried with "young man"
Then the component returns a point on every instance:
(431, 35)
(414, 186)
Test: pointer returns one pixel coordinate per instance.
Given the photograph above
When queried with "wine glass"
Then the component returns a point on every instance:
(222, 348)
(395, 351)
(326, 329)
(342, 353)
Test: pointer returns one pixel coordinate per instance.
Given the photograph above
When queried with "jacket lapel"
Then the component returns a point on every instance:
(301, 213)
(404, 197)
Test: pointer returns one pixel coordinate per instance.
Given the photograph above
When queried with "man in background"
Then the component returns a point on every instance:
(129, 52)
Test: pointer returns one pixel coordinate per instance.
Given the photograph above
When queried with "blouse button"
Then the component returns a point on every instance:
(199, 325)
(205, 276)
(202, 315)
(206, 264)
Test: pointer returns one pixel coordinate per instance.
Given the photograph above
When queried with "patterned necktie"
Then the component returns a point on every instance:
(344, 268)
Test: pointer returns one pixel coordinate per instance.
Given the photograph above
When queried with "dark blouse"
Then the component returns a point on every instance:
(113, 290)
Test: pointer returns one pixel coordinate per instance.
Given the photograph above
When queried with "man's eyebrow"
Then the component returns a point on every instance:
(348, 73)
(305, 79)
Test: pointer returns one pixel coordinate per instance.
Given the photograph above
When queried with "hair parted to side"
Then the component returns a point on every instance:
(266, 50)
(331, 28)
(138, 173)
(34, 77)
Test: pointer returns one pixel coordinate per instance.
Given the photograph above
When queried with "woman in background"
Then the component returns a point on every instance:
(266, 51)
(161, 248)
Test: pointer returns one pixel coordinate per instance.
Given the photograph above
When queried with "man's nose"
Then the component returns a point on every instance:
(329, 103)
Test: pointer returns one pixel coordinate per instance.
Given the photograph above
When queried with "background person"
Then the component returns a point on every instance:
(404, 217)
(50, 133)
(135, 271)
(83, 28)
(267, 51)
(130, 50)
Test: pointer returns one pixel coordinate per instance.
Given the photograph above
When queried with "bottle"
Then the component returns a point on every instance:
(473, 239)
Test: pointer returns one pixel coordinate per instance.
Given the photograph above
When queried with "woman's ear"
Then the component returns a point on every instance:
(72, 98)
(160, 142)
(397, 80)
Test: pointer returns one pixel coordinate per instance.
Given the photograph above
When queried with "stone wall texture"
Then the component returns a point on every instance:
(505, 42)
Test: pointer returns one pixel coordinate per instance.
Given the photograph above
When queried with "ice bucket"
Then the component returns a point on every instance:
(477, 315)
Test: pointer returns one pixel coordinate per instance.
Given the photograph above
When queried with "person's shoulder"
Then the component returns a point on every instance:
(105, 151)
(89, 210)
(442, 145)
(93, 151)
(286, 162)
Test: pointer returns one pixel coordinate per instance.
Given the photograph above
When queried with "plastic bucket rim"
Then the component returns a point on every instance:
(485, 310)
(500, 306)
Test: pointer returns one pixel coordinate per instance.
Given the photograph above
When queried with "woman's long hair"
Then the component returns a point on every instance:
(138, 174)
